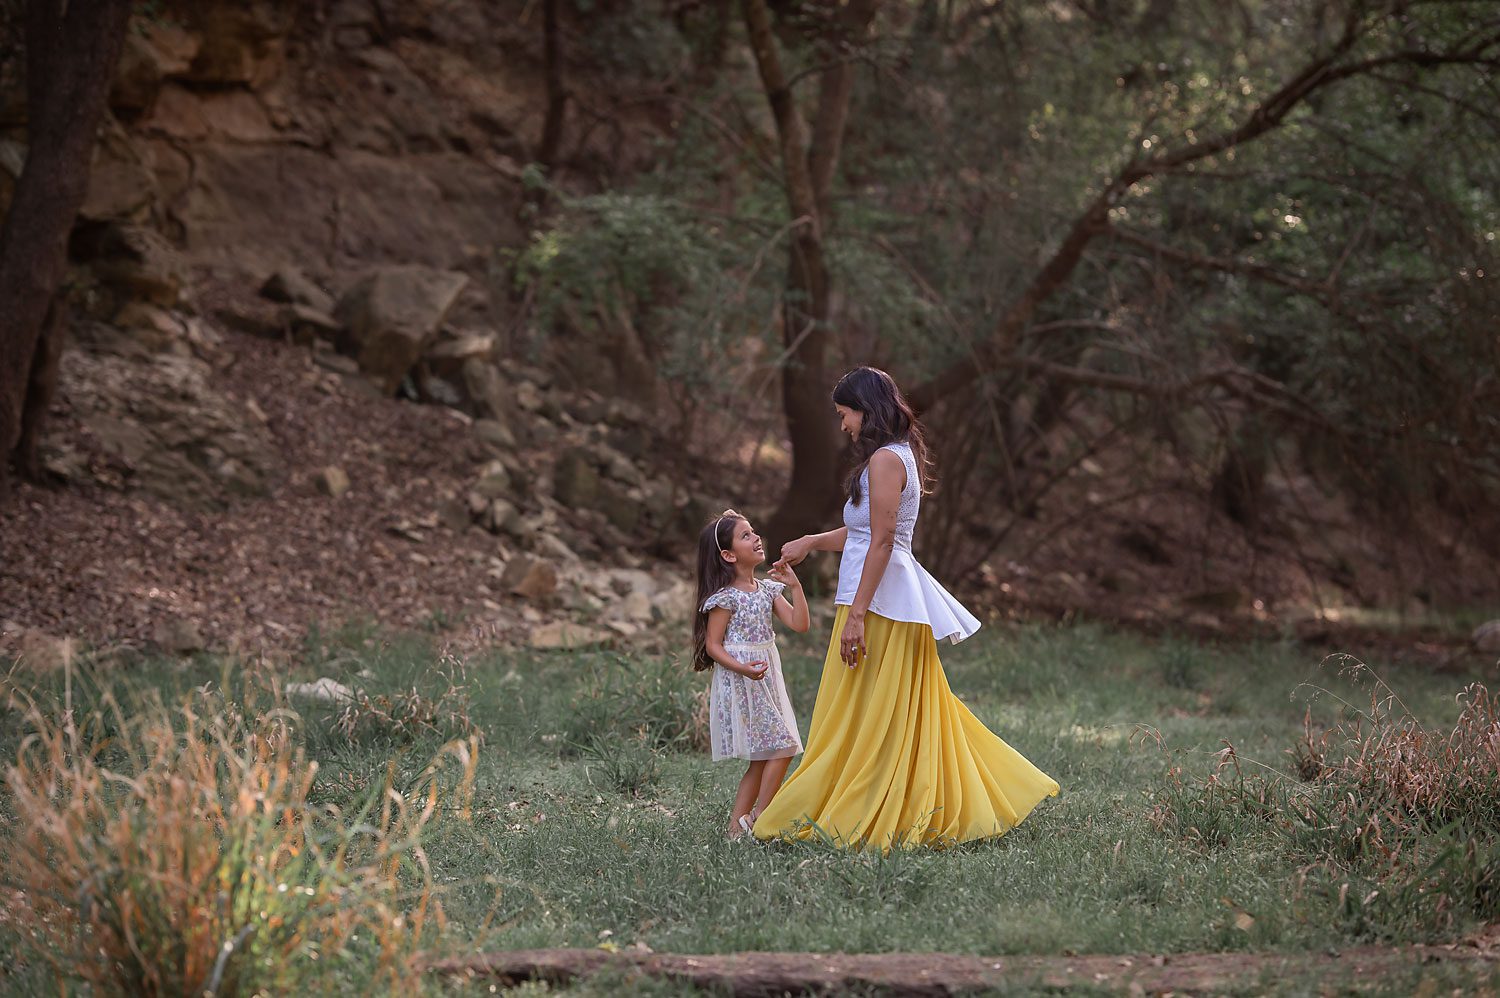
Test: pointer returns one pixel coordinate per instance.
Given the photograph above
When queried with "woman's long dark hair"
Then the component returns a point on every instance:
(886, 418)
(714, 573)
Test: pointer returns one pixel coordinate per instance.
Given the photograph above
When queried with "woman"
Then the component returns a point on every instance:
(893, 758)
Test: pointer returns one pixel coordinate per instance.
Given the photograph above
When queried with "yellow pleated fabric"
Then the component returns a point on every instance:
(894, 759)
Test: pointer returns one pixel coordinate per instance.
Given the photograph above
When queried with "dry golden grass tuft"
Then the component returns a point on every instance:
(164, 849)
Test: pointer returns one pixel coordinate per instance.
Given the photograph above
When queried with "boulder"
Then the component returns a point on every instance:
(152, 327)
(529, 397)
(495, 483)
(306, 325)
(1486, 636)
(636, 607)
(500, 516)
(35, 649)
(485, 387)
(179, 636)
(563, 635)
(494, 433)
(530, 578)
(325, 688)
(122, 184)
(154, 50)
(391, 315)
(159, 424)
(624, 508)
(242, 43)
(331, 481)
(291, 286)
(135, 261)
(575, 483)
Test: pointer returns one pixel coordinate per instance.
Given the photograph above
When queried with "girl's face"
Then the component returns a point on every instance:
(850, 420)
(746, 547)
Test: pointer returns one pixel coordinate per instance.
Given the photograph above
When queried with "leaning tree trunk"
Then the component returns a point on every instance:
(808, 166)
(71, 51)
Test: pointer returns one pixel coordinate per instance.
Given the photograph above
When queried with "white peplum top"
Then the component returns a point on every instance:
(907, 592)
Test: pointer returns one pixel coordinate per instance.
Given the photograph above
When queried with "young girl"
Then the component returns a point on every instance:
(749, 714)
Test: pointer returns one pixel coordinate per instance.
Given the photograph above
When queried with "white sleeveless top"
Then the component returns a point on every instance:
(906, 592)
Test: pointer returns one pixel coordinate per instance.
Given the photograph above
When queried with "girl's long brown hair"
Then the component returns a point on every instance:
(886, 418)
(714, 573)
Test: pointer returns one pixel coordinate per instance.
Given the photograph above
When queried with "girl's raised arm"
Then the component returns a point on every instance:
(796, 615)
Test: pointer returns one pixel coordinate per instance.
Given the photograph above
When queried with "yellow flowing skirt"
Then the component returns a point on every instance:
(894, 759)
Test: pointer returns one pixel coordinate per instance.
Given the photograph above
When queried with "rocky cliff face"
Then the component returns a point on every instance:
(298, 215)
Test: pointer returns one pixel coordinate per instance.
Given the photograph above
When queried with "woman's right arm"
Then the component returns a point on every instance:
(793, 552)
(713, 643)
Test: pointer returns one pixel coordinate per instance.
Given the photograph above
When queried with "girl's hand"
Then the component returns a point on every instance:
(852, 641)
(795, 552)
(782, 573)
(754, 670)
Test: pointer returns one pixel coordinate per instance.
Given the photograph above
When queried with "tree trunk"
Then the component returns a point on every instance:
(808, 167)
(557, 91)
(71, 51)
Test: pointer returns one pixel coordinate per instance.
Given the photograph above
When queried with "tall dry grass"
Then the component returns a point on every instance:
(171, 849)
(1402, 819)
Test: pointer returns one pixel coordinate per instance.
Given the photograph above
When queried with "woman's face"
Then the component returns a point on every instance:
(850, 420)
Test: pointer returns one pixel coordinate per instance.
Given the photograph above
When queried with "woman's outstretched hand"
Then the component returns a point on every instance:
(852, 641)
(795, 552)
(782, 573)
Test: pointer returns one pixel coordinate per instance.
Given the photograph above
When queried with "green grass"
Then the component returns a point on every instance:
(558, 854)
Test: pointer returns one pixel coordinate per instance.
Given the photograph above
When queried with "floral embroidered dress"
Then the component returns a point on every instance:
(750, 718)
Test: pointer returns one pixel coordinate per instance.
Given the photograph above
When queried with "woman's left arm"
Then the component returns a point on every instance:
(887, 479)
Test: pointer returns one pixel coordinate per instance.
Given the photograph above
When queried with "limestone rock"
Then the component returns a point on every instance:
(494, 433)
(575, 483)
(332, 481)
(530, 578)
(392, 314)
(138, 262)
(486, 389)
(1486, 636)
(529, 397)
(495, 483)
(291, 286)
(152, 327)
(154, 50)
(163, 426)
(324, 688)
(306, 325)
(565, 636)
(242, 43)
(34, 649)
(500, 515)
(122, 184)
(179, 636)
(636, 607)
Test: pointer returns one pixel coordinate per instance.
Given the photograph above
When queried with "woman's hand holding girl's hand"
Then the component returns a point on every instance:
(795, 552)
(754, 670)
(782, 573)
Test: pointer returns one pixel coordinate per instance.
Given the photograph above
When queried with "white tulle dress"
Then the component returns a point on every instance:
(750, 718)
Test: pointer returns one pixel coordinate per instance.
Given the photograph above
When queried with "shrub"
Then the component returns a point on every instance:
(1403, 822)
(172, 850)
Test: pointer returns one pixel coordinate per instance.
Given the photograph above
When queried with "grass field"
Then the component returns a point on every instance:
(595, 821)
